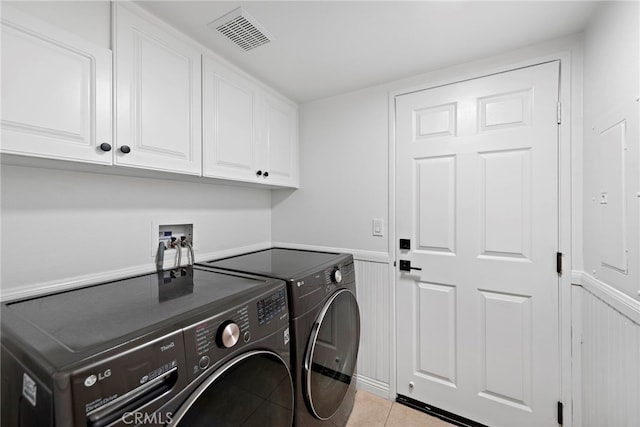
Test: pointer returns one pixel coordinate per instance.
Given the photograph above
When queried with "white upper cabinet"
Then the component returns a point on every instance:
(249, 134)
(157, 96)
(56, 92)
(229, 123)
(173, 110)
(280, 141)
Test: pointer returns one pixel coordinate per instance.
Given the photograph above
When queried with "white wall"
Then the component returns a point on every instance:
(607, 342)
(61, 227)
(611, 83)
(343, 175)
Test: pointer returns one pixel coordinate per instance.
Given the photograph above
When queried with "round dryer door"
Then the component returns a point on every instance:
(330, 360)
(254, 389)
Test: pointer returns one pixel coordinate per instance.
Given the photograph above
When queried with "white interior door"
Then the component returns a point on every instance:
(477, 195)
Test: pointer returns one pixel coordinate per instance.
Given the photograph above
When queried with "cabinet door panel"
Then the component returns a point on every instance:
(56, 92)
(228, 124)
(157, 96)
(282, 142)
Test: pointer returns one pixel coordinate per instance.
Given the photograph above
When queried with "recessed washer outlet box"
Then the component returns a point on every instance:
(242, 29)
(174, 237)
(172, 234)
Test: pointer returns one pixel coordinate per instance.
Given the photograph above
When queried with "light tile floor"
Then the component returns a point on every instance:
(372, 411)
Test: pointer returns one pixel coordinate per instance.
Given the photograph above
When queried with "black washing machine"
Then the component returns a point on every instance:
(325, 322)
(188, 347)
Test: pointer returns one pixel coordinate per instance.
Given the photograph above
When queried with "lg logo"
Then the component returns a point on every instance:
(92, 379)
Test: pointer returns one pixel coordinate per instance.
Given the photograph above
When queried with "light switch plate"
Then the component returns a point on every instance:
(378, 227)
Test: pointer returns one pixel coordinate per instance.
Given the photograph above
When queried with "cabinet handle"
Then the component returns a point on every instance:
(125, 149)
(105, 146)
(259, 173)
(266, 174)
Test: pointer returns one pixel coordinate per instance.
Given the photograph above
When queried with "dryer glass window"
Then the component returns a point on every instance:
(249, 391)
(331, 354)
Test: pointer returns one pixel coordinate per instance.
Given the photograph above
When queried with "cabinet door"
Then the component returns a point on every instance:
(281, 137)
(229, 124)
(157, 92)
(56, 92)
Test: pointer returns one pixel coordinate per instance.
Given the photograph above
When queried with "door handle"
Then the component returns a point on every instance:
(406, 266)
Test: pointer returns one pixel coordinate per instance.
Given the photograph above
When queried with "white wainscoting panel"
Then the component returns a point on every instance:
(610, 365)
(372, 281)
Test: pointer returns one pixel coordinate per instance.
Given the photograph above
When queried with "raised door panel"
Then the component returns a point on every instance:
(281, 135)
(612, 183)
(157, 79)
(614, 208)
(229, 124)
(56, 92)
(435, 216)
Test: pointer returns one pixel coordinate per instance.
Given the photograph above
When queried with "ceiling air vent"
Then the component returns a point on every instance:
(242, 29)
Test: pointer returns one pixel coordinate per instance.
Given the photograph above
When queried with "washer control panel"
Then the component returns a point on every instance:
(213, 338)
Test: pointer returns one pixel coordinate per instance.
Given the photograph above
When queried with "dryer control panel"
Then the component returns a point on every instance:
(312, 290)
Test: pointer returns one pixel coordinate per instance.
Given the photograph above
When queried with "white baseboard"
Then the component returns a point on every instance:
(42, 288)
(372, 386)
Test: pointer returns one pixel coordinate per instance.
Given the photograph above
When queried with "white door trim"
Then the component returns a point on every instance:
(564, 205)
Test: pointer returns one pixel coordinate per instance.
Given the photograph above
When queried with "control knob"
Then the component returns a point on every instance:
(336, 276)
(228, 334)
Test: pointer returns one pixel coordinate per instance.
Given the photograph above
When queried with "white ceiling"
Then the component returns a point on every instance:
(324, 48)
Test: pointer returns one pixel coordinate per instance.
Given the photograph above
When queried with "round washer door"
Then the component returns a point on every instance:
(330, 359)
(254, 389)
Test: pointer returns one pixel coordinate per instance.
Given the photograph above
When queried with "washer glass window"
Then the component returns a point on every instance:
(330, 361)
(252, 390)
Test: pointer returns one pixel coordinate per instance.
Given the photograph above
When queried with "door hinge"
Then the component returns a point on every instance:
(559, 113)
(560, 412)
(559, 263)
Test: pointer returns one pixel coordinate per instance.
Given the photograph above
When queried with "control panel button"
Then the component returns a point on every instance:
(204, 362)
(247, 336)
(336, 276)
(228, 334)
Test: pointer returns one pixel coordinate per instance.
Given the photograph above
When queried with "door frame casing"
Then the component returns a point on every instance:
(564, 212)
